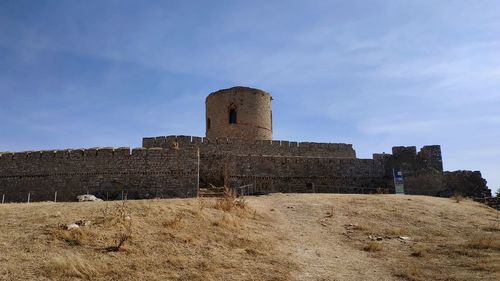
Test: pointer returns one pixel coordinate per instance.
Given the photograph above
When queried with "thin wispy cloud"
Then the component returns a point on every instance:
(375, 74)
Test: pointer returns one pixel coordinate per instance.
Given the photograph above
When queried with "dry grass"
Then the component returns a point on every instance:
(258, 238)
(70, 265)
(484, 242)
(138, 240)
(410, 272)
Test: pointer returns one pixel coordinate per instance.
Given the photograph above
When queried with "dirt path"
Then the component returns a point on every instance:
(317, 242)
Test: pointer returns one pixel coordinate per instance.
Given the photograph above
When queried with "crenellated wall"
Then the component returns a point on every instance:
(256, 147)
(174, 166)
(430, 156)
(422, 170)
(140, 173)
(214, 153)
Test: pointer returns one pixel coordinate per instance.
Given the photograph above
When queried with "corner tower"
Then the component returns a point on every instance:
(239, 112)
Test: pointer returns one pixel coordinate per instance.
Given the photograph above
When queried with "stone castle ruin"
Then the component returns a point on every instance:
(238, 150)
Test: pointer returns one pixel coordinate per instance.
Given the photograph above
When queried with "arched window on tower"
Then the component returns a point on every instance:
(232, 116)
(208, 123)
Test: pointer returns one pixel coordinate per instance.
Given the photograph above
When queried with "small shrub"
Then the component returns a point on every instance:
(457, 197)
(175, 222)
(229, 201)
(121, 219)
(410, 272)
(419, 252)
(122, 236)
(120, 241)
(74, 237)
(373, 247)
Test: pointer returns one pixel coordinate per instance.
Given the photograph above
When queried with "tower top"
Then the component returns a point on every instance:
(239, 112)
(238, 90)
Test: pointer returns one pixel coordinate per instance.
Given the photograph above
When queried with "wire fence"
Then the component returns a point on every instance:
(67, 196)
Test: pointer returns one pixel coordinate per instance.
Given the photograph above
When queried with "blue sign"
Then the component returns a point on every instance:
(398, 181)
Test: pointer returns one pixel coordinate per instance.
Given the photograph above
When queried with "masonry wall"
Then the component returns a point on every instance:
(170, 167)
(105, 172)
(215, 153)
(466, 183)
(301, 174)
(422, 170)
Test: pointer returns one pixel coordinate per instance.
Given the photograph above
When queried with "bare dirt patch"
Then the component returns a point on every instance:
(386, 237)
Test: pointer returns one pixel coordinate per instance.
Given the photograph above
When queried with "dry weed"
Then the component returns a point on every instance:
(457, 197)
(397, 231)
(203, 203)
(492, 228)
(481, 266)
(74, 237)
(419, 252)
(71, 265)
(229, 201)
(409, 272)
(123, 235)
(175, 222)
(373, 246)
(484, 242)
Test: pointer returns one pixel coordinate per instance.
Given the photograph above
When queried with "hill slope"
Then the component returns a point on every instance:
(275, 237)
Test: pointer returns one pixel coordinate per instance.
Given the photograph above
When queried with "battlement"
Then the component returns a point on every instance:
(404, 153)
(105, 171)
(258, 147)
(93, 153)
(431, 156)
(409, 160)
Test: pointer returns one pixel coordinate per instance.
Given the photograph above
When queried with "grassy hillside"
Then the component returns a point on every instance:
(276, 237)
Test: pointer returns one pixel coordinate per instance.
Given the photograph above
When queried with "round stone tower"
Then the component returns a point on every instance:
(239, 112)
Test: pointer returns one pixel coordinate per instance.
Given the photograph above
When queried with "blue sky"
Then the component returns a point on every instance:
(372, 73)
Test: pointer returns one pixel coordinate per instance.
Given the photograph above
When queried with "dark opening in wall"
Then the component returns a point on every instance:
(208, 123)
(232, 116)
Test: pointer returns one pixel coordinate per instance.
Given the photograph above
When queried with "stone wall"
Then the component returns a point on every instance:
(214, 153)
(430, 157)
(407, 159)
(422, 170)
(306, 174)
(174, 166)
(105, 172)
(466, 183)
